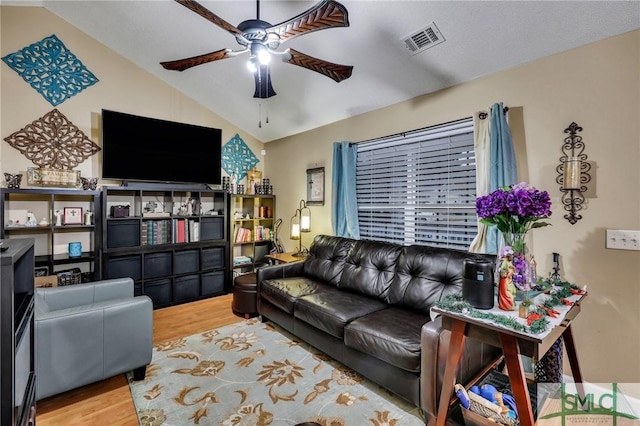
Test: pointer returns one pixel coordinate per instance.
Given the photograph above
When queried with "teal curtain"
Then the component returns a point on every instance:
(502, 167)
(344, 206)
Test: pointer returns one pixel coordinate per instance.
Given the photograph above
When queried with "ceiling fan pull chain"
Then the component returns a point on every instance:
(260, 115)
(267, 110)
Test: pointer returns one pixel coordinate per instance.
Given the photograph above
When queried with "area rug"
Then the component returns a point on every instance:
(252, 373)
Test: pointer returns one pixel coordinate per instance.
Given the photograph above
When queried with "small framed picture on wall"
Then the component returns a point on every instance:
(315, 186)
(72, 216)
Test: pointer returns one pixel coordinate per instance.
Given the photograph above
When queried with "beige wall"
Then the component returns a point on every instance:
(597, 86)
(123, 86)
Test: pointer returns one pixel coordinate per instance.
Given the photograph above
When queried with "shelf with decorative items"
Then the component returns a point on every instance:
(173, 242)
(252, 218)
(65, 224)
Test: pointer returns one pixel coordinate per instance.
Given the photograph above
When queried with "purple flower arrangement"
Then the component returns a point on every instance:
(521, 275)
(516, 208)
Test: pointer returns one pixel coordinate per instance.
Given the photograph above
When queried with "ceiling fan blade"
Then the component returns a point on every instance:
(262, 77)
(326, 14)
(183, 64)
(208, 15)
(335, 72)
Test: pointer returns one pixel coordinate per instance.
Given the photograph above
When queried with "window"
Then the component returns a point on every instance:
(419, 187)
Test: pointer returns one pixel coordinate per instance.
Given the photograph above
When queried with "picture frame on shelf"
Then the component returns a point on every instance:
(72, 216)
(315, 186)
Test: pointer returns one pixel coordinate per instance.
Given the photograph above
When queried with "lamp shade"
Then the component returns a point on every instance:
(295, 227)
(305, 220)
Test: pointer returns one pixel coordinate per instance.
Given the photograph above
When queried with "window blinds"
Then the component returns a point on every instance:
(419, 187)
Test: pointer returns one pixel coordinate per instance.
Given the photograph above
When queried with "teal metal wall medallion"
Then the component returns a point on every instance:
(51, 69)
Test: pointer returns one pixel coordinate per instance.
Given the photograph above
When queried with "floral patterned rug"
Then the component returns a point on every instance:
(249, 374)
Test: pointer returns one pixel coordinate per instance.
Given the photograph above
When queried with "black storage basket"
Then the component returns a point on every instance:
(69, 277)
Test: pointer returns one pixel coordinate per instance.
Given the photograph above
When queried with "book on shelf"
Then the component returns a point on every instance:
(155, 232)
(181, 230)
(242, 235)
(241, 260)
(143, 234)
(261, 233)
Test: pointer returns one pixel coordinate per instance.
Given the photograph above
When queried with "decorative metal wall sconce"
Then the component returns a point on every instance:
(573, 173)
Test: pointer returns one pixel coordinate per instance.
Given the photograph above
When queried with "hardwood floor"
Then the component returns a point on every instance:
(109, 402)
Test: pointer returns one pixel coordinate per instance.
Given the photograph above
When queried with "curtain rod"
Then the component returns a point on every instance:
(481, 116)
(484, 115)
(409, 132)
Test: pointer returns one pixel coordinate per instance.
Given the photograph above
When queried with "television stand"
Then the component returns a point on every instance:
(165, 186)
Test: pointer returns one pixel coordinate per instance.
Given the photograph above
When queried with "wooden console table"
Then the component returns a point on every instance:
(513, 343)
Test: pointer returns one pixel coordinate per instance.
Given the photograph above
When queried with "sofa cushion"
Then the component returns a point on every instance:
(370, 267)
(391, 335)
(326, 258)
(426, 274)
(283, 292)
(331, 310)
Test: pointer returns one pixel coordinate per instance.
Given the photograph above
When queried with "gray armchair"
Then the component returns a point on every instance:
(89, 332)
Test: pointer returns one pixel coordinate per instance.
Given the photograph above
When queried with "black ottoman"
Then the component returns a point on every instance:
(245, 295)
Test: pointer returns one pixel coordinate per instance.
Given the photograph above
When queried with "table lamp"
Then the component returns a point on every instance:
(300, 222)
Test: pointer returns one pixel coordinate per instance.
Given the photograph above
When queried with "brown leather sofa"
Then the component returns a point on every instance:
(366, 304)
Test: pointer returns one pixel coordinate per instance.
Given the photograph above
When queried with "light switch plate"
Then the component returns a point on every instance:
(623, 240)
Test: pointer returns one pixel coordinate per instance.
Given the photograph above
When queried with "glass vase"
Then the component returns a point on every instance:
(512, 270)
(516, 240)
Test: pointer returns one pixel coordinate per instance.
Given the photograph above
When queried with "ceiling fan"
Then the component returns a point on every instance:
(261, 39)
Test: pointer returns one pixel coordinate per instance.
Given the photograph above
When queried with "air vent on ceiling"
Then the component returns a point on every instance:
(423, 39)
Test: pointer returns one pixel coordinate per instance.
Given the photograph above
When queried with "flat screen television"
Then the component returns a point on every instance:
(136, 148)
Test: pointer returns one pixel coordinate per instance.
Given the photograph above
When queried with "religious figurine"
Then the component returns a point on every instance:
(253, 177)
(87, 217)
(58, 215)
(31, 220)
(506, 287)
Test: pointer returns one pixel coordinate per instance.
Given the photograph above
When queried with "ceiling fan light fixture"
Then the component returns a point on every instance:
(261, 39)
(252, 64)
(264, 57)
(261, 52)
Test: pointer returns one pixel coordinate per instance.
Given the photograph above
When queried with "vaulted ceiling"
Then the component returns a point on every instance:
(480, 38)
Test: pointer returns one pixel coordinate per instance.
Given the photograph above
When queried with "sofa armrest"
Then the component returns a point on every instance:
(284, 270)
(435, 348)
(86, 294)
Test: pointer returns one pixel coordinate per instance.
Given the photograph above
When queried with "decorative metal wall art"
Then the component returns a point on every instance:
(237, 158)
(573, 173)
(51, 69)
(53, 141)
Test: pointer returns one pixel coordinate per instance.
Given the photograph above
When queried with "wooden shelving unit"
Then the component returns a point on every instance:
(255, 215)
(174, 243)
(51, 240)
